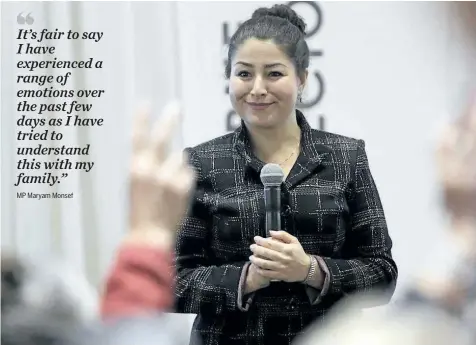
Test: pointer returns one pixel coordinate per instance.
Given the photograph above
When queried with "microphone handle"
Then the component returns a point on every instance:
(273, 221)
(272, 201)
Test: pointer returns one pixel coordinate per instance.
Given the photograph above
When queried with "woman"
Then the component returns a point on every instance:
(334, 240)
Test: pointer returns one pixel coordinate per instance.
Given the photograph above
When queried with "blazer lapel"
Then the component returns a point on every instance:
(311, 156)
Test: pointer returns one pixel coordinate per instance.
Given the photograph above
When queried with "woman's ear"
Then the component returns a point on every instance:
(303, 79)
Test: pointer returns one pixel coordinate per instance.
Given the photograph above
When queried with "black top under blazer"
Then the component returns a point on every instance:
(329, 202)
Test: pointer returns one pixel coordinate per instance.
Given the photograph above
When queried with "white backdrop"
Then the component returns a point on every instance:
(392, 71)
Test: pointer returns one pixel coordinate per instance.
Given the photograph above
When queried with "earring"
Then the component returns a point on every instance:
(299, 97)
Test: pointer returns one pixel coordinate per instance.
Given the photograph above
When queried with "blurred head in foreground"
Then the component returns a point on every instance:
(411, 326)
(43, 303)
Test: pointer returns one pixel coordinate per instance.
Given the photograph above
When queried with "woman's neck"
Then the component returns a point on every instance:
(273, 144)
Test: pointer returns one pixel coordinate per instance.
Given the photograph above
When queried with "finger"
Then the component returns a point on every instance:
(176, 180)
(472, 120)
(188, 169)
(142, 167)
(268, 273)
(265, 264)
(266, 253)
(468, 120)
(186, 177)
(168, 170)
(283, 236)
(271, 243)
(466, 129)
(140, 125)
(164, 130)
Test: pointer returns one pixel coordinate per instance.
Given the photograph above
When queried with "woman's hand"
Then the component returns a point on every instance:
(254, 280)
(161, 182)
(280, 257)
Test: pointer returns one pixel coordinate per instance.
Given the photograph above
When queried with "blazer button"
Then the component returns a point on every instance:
(287, 210)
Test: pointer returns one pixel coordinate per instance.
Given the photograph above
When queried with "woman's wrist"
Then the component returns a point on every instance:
(253, 281)
(309, 269)
(250, 283)
(316, 275)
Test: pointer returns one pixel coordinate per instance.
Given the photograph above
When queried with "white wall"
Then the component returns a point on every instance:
(392, 70)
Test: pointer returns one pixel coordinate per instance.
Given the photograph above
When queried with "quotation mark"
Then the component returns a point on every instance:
(25, 20)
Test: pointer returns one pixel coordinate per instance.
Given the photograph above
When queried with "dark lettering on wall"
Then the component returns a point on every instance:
(232, 119)
(316, 99)
(314, 9)
(227, 33)
(309, 101)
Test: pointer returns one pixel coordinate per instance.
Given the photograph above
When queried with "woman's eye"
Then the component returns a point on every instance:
(275, 74)
(243, 74)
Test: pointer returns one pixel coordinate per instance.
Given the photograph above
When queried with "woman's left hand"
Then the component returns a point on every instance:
(280, 257)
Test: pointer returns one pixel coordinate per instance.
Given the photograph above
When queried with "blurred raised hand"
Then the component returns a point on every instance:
(456, 159)
(161, 181)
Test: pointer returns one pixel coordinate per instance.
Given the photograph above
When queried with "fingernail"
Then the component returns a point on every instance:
(273, 232)
(257, 238)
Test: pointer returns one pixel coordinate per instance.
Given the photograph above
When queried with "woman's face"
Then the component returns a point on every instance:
(263, 84)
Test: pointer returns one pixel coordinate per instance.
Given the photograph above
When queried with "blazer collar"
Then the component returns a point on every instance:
(311, 155)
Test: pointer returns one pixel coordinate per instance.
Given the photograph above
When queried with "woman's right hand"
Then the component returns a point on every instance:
(254, 280)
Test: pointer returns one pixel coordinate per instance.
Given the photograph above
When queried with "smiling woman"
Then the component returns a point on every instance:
(249, 289)
(264, 84)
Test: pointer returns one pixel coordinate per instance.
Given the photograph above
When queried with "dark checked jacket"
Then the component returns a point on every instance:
(329, 202)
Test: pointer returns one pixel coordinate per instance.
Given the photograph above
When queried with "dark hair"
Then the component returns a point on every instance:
(26, 323)
(12, 279)
(282, 25)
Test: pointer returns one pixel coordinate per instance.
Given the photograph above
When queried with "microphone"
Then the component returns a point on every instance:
(272, 176)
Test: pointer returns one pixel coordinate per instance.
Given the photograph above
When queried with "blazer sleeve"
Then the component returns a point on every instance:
(202, 287)
(367, 266)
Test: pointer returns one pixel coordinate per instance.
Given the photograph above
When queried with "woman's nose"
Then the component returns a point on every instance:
(259, 88)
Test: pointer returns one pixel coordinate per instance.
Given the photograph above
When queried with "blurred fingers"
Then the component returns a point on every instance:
(140, 132)
(164, 130)
(175, 175)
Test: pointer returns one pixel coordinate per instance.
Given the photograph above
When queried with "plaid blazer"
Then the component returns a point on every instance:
(329, 202)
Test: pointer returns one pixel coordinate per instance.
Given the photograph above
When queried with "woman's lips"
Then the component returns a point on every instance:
(258, 106)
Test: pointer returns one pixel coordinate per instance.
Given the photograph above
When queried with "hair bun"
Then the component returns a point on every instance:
(281, 11)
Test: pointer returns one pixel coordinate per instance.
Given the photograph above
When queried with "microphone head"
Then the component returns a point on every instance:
(272, 175)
